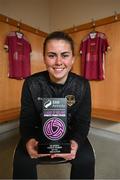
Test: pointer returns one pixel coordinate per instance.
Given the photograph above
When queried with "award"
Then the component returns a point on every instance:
(54, 126)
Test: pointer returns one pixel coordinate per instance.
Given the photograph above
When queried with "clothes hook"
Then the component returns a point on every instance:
(115, 16)
(93, 23)
(74, 28)
(7, 19)
(18, 25)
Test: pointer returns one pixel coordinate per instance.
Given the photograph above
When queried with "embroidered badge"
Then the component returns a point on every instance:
(70, 100)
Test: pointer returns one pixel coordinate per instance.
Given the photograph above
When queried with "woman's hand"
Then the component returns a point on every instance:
(68, 156)
(32, 146)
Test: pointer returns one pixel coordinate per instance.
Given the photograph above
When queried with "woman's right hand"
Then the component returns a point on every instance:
(31, 147)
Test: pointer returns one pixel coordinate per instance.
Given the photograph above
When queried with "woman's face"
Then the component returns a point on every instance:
(58, 59)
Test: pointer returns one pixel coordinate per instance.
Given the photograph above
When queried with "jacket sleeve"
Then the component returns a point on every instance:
(28, 114)
(82, 116)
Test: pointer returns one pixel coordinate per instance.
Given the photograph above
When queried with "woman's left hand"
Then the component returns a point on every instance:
(68, 156)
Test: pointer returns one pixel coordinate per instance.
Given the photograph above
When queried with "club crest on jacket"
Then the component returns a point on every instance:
(70, 100)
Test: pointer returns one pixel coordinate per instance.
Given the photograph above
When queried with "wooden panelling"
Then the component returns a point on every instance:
(10, 89)
(21, 25)
(105, 93)
(106, 114)
(94, 23)
(10, 114)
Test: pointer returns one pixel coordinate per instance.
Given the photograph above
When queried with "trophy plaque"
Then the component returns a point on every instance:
(54, 126)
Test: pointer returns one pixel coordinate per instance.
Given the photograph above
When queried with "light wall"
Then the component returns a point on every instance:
(50, 15)
(31, 12)
(67, 13)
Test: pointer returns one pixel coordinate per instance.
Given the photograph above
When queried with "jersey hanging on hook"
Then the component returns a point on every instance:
(92, 49)
(19, 50)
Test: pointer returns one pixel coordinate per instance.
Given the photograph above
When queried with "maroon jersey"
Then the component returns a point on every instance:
(19, 55)
(93, 48)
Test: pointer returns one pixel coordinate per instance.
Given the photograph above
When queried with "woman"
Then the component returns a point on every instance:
(56, 82)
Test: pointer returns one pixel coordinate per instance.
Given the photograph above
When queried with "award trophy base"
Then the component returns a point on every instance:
(54, 148)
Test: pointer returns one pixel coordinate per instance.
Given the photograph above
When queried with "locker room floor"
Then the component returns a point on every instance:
(107, 154)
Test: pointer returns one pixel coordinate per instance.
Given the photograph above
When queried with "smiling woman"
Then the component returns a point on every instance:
(55, 83)
(58, 60)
